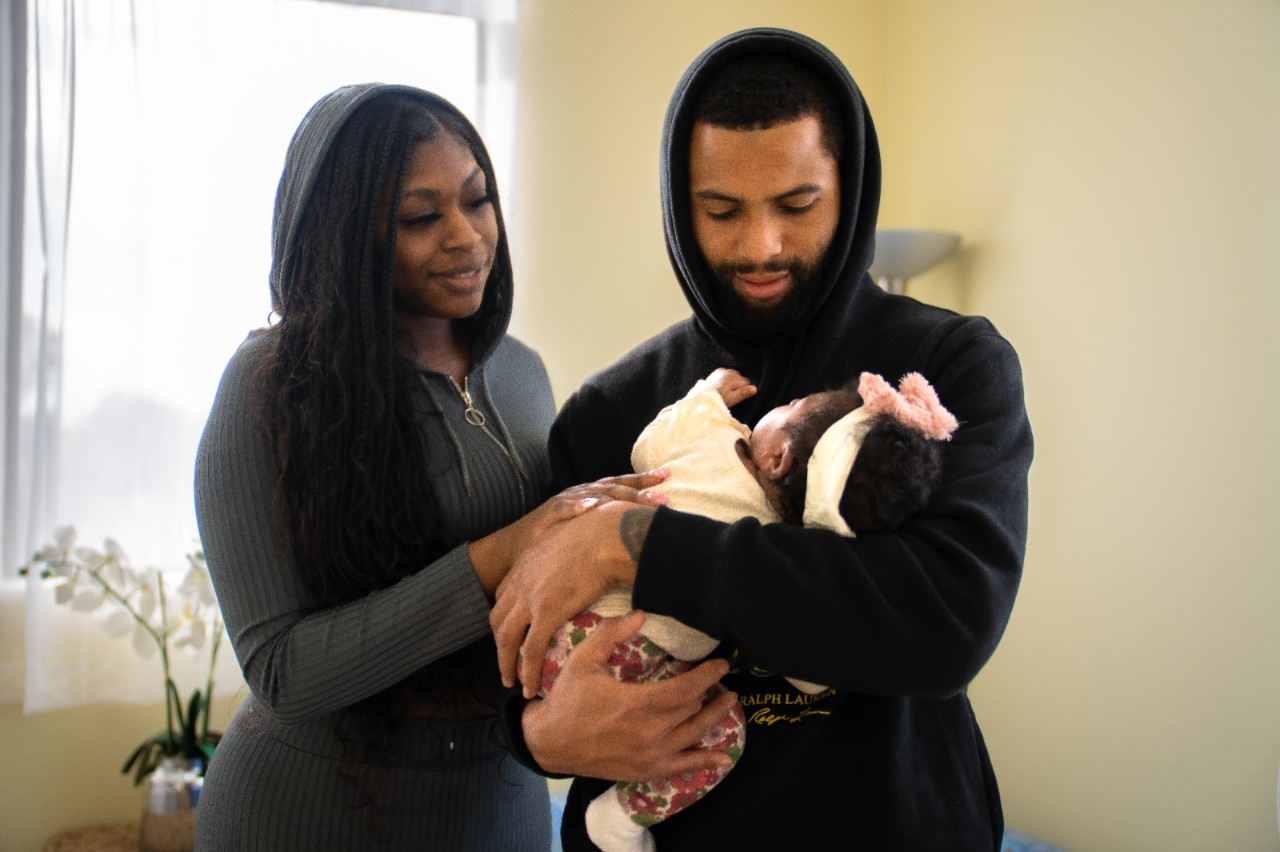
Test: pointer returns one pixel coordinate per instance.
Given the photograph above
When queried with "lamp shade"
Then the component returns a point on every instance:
(904, 253)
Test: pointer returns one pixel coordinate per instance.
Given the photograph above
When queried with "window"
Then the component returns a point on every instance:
(172, 118)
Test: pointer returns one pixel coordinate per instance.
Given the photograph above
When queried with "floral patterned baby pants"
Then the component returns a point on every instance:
(641, 661)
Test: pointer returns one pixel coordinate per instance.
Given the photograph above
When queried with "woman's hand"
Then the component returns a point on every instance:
(493, 555)
(591, 724)
(569, 568)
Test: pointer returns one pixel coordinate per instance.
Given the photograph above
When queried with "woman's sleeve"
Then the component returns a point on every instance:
(302, 662)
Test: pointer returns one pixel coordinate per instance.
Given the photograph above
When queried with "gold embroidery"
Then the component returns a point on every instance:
(775, 707)
(766, 716)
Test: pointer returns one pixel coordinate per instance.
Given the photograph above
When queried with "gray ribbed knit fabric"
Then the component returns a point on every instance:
(276, 782)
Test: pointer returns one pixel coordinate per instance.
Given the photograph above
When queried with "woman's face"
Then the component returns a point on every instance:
(447, 234)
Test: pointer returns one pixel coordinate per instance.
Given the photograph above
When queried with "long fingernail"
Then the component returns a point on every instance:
(654, 497)
(588, 502)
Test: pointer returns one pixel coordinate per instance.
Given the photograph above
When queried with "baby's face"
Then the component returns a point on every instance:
(773, 433)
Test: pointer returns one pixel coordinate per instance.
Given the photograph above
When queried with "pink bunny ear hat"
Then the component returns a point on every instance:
(914, 404)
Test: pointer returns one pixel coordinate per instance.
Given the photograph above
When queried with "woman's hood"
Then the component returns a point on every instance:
(303, 164)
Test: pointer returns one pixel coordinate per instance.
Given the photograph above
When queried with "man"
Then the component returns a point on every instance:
(771, 180)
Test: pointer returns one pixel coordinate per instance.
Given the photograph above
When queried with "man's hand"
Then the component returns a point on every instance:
(567, 569)
(590, 724)
(493, 555)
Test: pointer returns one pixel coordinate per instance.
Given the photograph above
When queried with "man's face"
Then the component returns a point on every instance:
(765, 207)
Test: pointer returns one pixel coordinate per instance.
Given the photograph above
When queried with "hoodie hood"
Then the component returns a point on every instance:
(852, 247)
(304, 161)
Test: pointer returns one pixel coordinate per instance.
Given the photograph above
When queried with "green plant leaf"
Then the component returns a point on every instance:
(137, 753)
(145, 766)
(174, 703)
(190, 741)
(145, 758)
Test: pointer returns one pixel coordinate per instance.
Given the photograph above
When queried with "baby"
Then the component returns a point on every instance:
(843, 459)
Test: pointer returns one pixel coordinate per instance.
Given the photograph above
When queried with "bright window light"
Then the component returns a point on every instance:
(183, 114)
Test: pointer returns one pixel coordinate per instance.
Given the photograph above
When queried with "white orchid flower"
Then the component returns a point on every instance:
(85, 579)
(87, 598)
(64, 537)
(59, 550)
(193, 631)
(89, 557)
(197, 584)
(119, 623)
(68, 570)
(50, 553)
(129, 578)
(146, 599)
(63, 593)
(115, 551)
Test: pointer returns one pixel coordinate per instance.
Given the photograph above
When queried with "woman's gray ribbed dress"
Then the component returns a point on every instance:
(277, 782)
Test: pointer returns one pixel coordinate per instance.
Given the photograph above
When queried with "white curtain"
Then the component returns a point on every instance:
(156, 133)
(13, 63)
(40, 205)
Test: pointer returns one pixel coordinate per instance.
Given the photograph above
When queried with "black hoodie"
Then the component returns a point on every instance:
(899, 622)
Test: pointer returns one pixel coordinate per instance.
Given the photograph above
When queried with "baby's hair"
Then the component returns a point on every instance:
(894, 473)
(802, 438)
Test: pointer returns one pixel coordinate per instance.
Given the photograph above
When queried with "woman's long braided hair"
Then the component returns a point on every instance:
(352, 496)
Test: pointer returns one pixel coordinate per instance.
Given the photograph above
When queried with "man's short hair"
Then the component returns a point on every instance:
(759, 90)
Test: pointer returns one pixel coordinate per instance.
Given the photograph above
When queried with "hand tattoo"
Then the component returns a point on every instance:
(633, 529)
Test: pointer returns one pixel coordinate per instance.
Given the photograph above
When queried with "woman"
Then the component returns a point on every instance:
(363, 484)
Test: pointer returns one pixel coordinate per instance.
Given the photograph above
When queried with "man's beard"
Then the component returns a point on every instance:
(758, 323)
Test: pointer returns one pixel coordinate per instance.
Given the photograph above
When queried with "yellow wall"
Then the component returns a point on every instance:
(61, 769)
(1114, 168)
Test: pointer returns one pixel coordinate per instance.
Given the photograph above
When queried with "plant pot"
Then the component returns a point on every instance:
(169, 810)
